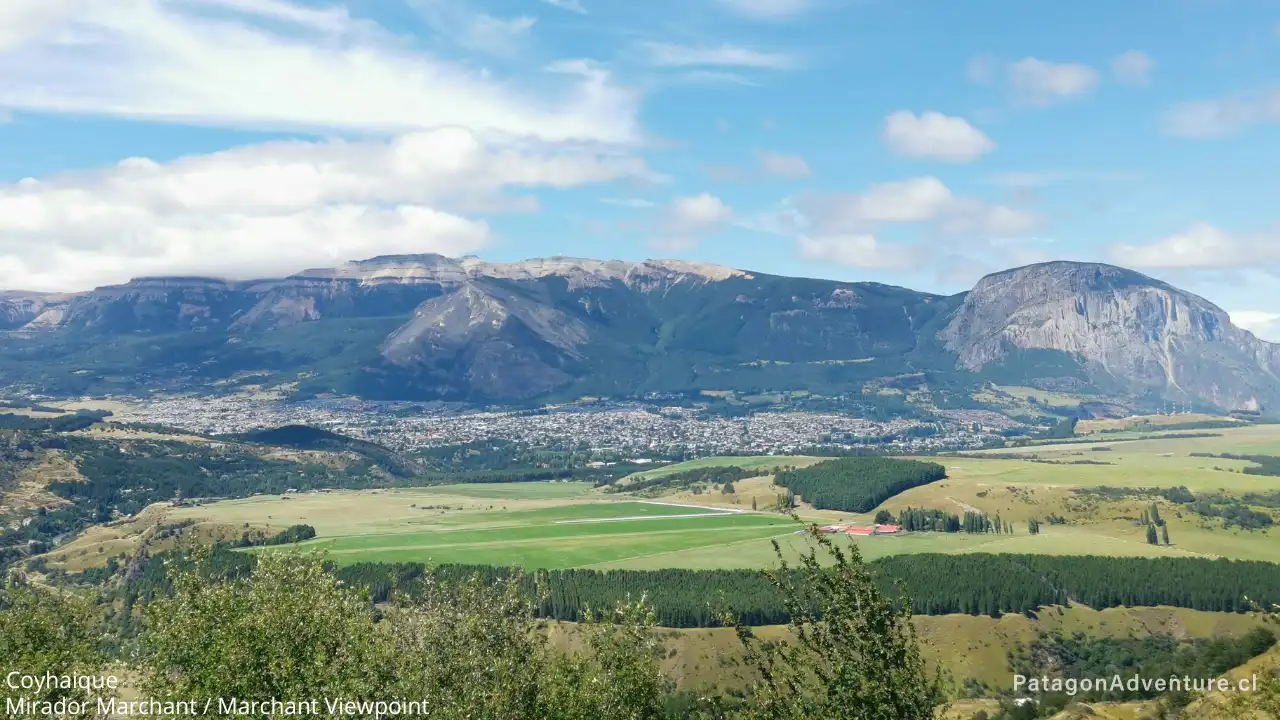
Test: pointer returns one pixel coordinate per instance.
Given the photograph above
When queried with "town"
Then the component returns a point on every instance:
(627, 428)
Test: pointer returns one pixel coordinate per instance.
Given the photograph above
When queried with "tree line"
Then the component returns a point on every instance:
(716, 475)
(290, 631)
(1266, 464)
(937, 584)
(931, 520)
(1153, 656)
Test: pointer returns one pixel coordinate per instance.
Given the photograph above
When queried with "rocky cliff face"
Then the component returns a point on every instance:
(1126, 328)
(20, 309)
(491, 339)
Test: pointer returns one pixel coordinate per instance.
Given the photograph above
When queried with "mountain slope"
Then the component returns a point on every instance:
(1128, 330)
(21, 309)
(431, 327)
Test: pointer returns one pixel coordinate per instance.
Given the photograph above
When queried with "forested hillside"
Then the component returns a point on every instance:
(858, 484)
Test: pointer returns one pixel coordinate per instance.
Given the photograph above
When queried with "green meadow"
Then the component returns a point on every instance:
(559, 524)
(559, 538)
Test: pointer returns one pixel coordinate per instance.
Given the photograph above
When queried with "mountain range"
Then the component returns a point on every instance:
(428, 327)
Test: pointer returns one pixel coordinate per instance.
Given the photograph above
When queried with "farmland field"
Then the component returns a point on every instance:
(570, 536)
(530, 523)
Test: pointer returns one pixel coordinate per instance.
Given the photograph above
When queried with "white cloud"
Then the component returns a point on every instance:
(334, 19)
(981, 70)
(277, 207)
(1132, 68)
(1202, 246)
(787, 166)
(671, 55)
(696, 213)
(498, 36)
(1265, 325)
(1038, 82)
(570, 5)
(1026, 180)
(637, 203)
(157, 60)
(768, 164)
(913, 200)
(936, 136)
(861, 251)
(768, 9)
(712, 77)
(785, 219)
(687, 219)
(455, 22)
(1220, 117)
(846, 228)
(919, 200)
(973, 216)
(21, 20)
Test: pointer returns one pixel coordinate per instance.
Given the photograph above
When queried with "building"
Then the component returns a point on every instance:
(860, 531)
(887, 529)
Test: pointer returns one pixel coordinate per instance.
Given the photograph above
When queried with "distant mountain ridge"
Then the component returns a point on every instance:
(432, 327)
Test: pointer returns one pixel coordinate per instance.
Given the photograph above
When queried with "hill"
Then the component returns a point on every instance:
(435, 328)
(305, 437)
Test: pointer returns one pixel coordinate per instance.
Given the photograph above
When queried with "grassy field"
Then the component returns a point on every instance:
(1140, 423)
(1019, 490)
(559, 537)
(26, 412)
(525, 523)
(564, 525)
(1044, 396)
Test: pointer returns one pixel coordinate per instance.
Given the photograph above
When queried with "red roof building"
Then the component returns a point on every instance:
(860, 531)
(887, 529)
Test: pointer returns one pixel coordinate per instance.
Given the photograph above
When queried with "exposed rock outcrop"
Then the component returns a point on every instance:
(1132, 329)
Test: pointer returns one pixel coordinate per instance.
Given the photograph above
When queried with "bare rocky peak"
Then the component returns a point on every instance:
(1066, 277)
(1122, 323)
(408, 269)
(420, 269)
(580, 272)
(1080, 308)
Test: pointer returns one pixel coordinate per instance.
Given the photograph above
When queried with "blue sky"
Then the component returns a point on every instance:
(908, 142)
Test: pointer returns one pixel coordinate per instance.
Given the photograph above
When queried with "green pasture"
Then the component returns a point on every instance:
(532, 524)
(554, 544)
(1127, 467)
(759, 553)
(1248, 440)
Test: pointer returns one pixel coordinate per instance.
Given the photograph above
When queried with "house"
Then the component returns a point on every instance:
(887, 529)
(860, 531)
(833, 529)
